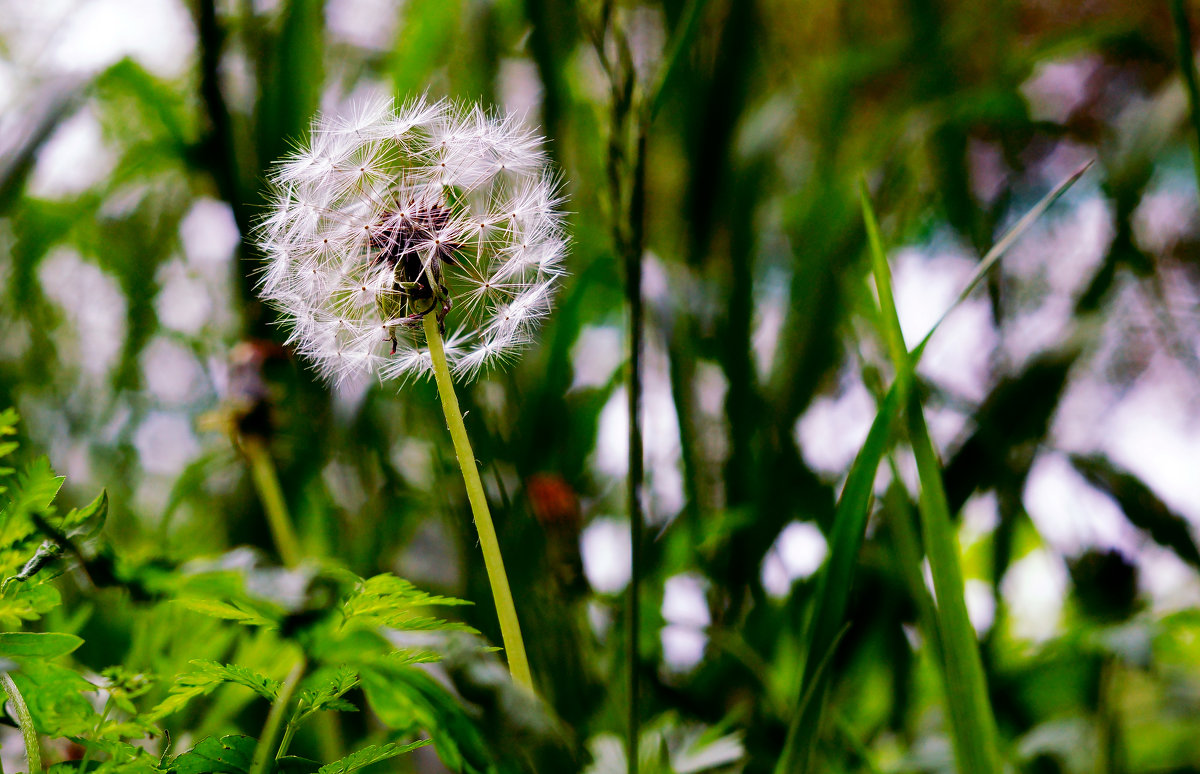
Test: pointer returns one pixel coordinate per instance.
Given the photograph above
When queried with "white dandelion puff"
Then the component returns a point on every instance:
(391, 214)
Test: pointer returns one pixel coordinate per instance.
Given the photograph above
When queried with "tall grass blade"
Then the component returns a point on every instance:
(833, 590)
(998, 249)
(971, 720)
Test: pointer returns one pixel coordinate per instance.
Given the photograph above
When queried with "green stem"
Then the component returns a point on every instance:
(266, 481)
(33, 750)
(510, 627)
(263, 756)
(1187, 67)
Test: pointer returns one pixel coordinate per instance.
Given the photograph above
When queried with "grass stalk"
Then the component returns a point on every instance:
(266, 481)
(633, 292)
(29, 734)
(510, 627)
(265, 752)
(1187, 68)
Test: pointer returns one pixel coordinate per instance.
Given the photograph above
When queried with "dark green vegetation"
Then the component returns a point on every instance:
(759, 166)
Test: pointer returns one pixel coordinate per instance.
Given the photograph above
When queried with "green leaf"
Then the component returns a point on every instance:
(208, 676)
(45, 645)
(386, 600)
(971, 720)
(369, 755)
(334, 684)
(235, 611)
(408, 700)
(227, 755)
(27, 602)
(34, 491)
(86, 522)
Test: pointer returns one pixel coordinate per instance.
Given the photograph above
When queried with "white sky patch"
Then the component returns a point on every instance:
(209, 233)
(1167, 580)
(606, 552)
(74, 159)
(683, 647)
(684, 601)
(1056, 88)
(596, 355)
(93, 303)
(165, 443)
(660, 435)
(1154, 432)
(1165, 215)
(171, 373)
(1070, 513)
(158, 34)
(369, 24)
(1052, 263)
(770, 309)
(981, 605)
(184, 303)
(832, 430)
(959, 356)
(1034, 589)
(520, 88)
(980, 514)
(798, 552)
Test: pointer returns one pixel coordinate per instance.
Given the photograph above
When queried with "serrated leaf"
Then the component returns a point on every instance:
(333, 684)
(369, 755)
(386, 600)
(21, 645)
(34, 492)
(228, 611)
(228, 755)
(87, 521)
(26, 602)
(206, 678)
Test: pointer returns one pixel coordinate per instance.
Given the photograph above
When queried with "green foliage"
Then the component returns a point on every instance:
(206, 678)
(121, 316)
(369, 755)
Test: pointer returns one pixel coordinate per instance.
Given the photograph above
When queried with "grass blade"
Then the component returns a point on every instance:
(971, 720)
(966, 689)
(853, 508)
(833, 591)
(998, 249)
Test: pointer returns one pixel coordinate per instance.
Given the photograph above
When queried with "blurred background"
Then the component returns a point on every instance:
(135, 136)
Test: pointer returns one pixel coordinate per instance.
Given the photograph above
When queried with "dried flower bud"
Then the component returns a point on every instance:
(393, 214)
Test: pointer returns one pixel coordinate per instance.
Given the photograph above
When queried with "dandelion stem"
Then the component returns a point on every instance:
(510, 627)
(266, 481)
(33, 751)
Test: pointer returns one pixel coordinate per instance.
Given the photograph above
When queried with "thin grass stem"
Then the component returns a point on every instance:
(266, 481)
(506, 611)
(265, 752)
(1187, 67)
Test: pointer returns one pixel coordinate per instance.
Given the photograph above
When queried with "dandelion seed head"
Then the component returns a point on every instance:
(389, 213)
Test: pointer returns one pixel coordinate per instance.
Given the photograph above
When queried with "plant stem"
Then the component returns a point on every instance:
(266, 481)
(1187, 68)
(633, 292)
(265, 751)
(33, 750)
(510, 627)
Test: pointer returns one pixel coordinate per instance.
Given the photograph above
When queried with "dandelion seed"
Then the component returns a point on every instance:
(391, 214)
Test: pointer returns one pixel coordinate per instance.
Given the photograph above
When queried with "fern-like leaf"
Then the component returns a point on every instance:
(370, 755)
